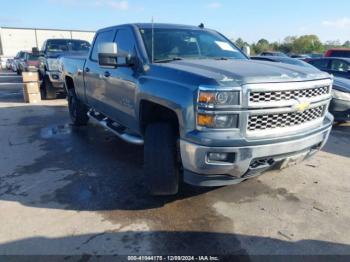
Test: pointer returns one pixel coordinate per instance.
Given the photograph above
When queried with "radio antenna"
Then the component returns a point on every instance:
(152, 40)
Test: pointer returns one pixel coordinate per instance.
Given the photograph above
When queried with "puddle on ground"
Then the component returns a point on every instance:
(56, 131)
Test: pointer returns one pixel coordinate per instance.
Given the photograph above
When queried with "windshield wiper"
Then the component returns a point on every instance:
(221, 58)
(167, 60)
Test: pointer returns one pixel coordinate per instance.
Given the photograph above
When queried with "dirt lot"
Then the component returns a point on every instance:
(66, 190)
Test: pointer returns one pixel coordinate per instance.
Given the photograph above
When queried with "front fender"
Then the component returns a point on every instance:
(175, 96)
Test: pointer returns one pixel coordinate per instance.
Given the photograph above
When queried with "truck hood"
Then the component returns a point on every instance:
(238, 72)
(70, 53)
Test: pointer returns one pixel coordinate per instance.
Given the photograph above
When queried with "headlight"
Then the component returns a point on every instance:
(220, 121)
(214, 99)
(340, 95)
(53, 64)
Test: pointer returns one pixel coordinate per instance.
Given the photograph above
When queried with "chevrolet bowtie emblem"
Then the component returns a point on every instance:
(301, 106)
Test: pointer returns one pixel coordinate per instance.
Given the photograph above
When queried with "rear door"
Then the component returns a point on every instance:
(95, 84)
(340, 68)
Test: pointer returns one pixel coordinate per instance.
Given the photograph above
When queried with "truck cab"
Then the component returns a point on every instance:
(204, 112)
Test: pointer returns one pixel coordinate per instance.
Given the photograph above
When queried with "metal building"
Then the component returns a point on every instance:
(14, 39)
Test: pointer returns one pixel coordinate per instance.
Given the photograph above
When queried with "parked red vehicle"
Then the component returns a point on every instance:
(30, 62)
(338, 52)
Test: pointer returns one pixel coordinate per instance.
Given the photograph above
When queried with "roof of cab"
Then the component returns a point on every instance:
(156, 25)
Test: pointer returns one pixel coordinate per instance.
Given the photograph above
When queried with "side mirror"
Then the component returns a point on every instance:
(108, 54)
(246, 50)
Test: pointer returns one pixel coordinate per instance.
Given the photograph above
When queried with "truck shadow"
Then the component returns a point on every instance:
(85, 168)
(229, 247)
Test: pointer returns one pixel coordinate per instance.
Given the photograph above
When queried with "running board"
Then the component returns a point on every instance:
(114, 127)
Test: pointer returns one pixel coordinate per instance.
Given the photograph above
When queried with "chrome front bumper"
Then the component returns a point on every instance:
(195, 157)
(55, 78)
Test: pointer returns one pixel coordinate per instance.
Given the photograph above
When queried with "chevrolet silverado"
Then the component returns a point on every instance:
(205, 113)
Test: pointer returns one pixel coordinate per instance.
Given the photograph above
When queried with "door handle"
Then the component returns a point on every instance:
(87, 69)
(107, 74)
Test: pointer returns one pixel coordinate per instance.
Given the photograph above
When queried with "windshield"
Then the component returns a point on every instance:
(188, 44)
(67, 45)
(33, 57)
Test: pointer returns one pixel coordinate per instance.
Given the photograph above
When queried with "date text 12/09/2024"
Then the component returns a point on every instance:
(173, 258)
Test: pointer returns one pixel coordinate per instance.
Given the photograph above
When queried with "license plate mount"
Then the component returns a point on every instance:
(294, 160)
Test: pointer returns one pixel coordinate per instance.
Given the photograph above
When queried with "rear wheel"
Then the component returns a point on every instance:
(77, 110)
(161, 165)
(47, 91)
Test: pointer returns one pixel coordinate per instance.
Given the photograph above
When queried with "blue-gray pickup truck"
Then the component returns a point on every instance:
(204, 112)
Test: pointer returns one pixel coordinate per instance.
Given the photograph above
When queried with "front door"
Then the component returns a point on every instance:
(95, 82)
(121, 82)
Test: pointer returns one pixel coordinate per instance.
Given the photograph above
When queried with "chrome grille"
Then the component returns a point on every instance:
(258, 97)
(281, 120)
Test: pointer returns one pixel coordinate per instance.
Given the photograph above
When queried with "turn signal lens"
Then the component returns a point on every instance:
(205, 120)
(206, 97)
(220, 121)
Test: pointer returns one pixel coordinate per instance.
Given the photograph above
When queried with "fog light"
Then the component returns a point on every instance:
(221, 157)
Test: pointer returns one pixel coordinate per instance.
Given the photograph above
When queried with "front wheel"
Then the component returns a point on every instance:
(161, 165)
(77, 110)
(47, 90)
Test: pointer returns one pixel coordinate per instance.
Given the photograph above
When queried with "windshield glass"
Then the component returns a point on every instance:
(188, 44)
(33, 57)
(67, 45)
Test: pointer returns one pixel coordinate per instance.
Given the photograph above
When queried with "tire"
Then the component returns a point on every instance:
(47, 91)
(77, 110)
(161, 165)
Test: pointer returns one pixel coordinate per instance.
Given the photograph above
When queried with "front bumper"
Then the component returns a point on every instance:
(56, 79)
(199, 171)
(340, 109)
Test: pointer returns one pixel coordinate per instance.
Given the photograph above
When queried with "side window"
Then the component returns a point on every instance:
(321, 64)
(339, 65)
(125, 41)
(102, 37)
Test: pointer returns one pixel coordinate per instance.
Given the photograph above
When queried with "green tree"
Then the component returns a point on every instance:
(240, 43)
(346, 44)
(261, 46)
(307, 44)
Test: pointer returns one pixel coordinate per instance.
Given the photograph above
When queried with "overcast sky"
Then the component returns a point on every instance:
(251, 20)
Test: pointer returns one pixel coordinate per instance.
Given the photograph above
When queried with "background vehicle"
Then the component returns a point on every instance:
(315, 55)
(9, 62)
(302, 57)
(340, 104)
(49, 68)
(272, 53)
(281, 59)
(3, 60)
(202, 109)
(339, 67)
(29, 62)
(338, 52)
(17, 60)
